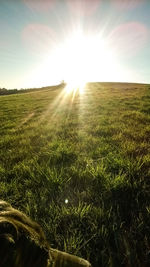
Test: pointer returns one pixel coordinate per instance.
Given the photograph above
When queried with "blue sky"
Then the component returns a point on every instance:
(45, 41)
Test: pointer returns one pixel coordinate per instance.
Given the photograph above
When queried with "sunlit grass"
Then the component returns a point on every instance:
(79, 165)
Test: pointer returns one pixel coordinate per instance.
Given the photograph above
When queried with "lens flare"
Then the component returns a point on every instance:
(39, 38)
(128, 38)
(83, 7)
(40, 5)
(126, 4)
(66, 201)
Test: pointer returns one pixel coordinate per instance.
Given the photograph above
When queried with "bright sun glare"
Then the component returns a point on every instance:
(80, 59)
(84, 57)
(81, 56)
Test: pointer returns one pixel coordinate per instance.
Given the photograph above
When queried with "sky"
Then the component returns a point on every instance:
(43, 42)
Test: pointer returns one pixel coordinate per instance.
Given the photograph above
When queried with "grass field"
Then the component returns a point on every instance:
(91, 150)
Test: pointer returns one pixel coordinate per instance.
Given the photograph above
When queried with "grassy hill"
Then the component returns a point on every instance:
(79, 164)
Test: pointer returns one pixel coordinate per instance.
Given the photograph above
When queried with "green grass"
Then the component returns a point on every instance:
(93, 151)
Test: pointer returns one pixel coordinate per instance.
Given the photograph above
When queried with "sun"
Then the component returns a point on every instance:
(80, 58)
(76, 52)
(85, 57)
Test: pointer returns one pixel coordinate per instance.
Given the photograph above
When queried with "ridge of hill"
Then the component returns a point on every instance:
(4, 91)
